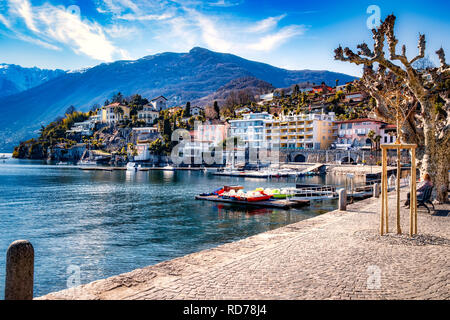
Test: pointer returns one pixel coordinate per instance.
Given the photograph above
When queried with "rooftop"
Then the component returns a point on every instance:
(360, 120)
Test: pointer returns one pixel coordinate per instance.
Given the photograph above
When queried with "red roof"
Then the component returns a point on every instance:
(116, 104)
(360, 120)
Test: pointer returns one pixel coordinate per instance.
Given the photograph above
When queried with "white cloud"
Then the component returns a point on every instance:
(5, 21)
(146, 17)
(211, 36)
(168, 24)
(274, 40)
(229, 35)
(37, 41)
(50, 25)
(118, 31)
(117, 6)
(83, 36)
(266, 24)
(23, 9)
(225, 3)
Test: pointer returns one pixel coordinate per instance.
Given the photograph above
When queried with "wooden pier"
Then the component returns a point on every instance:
(280, 204)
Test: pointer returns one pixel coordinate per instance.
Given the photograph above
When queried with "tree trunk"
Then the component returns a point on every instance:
(436, 162)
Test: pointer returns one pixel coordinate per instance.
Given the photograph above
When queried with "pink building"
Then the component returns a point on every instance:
(211, 131)
(354, 133)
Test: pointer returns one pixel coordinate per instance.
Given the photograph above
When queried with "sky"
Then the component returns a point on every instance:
(296, 35)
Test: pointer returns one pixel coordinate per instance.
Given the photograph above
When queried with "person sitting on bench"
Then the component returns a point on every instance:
(422, 187)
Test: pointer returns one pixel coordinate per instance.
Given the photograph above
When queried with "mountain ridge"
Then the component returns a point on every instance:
(180, 77)
(15, 79)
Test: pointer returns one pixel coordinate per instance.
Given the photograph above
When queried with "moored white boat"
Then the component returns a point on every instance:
(132, 166)
(210, 170)
(87, 162)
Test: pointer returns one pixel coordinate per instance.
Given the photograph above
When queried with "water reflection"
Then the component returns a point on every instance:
(110, 222)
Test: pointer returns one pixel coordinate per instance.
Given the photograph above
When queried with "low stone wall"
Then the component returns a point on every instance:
(337, 255)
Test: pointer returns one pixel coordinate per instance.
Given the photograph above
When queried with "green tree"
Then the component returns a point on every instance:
(117, 97)
(187, 109)
(217, 109)
(70, 110)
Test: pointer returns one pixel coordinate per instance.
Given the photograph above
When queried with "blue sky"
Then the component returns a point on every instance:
(289, 34)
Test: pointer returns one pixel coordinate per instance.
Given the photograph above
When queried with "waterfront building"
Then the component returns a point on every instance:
(354, 133)
(144, 136)
(211, 131)
(206, 136)
(250, 129)
(110, 114)
(159, 103)
(301, 131)
(148, 114)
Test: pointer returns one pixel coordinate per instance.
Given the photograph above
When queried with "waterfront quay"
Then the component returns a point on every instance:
(337, 255)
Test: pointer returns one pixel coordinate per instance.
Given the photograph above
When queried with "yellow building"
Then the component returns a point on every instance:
(302, 131)
(111, 113)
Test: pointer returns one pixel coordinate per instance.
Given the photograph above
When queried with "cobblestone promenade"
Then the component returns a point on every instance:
(338, 255)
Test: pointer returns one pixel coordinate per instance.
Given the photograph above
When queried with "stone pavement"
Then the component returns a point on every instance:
(337, 255)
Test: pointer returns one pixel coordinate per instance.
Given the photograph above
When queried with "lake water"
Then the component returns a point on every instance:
(107, 223)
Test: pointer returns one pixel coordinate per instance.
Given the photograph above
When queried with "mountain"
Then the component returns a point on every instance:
(180, 77)
(14, 78)
(251, 84)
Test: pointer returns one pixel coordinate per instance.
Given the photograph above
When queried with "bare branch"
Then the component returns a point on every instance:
(365, 51)
(421, 46)
(441, 55)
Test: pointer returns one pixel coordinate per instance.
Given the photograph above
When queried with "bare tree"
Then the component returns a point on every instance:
(418, 98)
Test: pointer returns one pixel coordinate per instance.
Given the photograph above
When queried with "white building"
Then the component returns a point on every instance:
(143, 152)
(145, 133)
(148, 114)
(95, 118)
(143, 138)
(250, 129)
(110, 116)
(159, 103)
(85, 128)
(269, 96)
(306, 89)
(195, 111)
(243, 109)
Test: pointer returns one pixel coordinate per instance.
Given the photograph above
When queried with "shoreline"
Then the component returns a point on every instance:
(325, 257)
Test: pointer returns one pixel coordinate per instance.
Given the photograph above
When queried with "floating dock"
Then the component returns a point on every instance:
(104, 168)
(280, 204)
